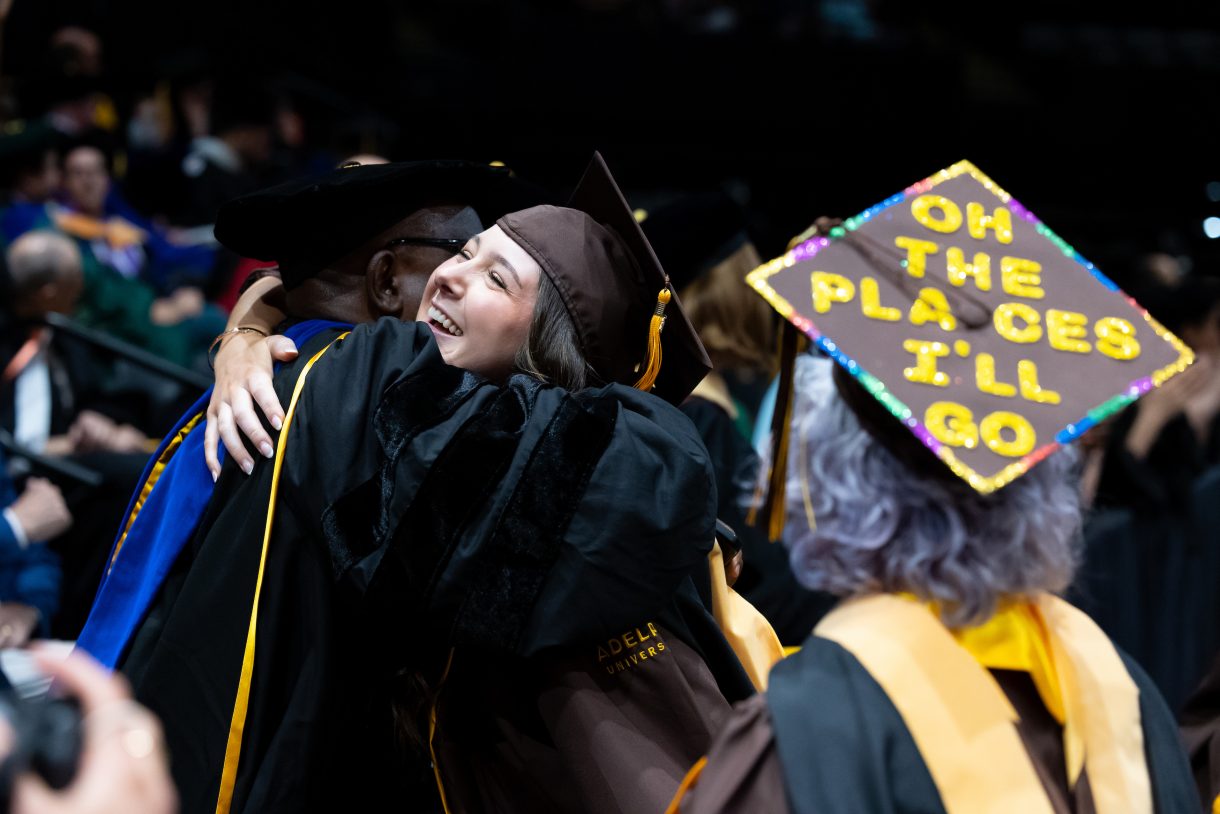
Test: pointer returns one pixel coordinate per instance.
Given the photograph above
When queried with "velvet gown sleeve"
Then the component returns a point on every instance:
(523, 517)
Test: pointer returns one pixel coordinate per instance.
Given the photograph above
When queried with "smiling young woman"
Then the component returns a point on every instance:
(480, 302)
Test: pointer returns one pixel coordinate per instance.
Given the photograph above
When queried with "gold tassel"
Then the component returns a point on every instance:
(653, 368)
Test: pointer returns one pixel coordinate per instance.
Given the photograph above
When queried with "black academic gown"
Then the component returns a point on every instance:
(766, 578)
(420, 509)
(826, 738)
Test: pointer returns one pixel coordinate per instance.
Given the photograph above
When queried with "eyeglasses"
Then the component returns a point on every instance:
(450, 244)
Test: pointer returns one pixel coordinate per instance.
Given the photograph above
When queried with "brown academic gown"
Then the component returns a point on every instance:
(605, 728)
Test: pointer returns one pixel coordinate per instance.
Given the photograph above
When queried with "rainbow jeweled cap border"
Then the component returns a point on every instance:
(978, 327)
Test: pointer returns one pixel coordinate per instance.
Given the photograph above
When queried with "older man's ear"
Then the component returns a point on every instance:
(384, 289)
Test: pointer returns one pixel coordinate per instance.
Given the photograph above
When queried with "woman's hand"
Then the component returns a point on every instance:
(123, 765)
(243, 379)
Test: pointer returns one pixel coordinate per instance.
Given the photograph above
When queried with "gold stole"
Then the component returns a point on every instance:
(963, 724)
(713, 388)
(237, 723)
(117, 232)
(747, 631)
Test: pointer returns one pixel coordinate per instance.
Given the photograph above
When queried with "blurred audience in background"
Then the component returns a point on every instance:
(116, 151)
(1152, 476)
(29, 572)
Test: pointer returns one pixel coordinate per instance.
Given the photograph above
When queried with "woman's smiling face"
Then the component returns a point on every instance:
(479, 304)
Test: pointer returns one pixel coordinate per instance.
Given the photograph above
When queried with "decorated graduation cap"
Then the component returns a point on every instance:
(304, 225)
(971, 323)
(613, 287)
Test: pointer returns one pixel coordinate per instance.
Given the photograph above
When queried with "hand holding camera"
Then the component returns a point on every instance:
(122, 765)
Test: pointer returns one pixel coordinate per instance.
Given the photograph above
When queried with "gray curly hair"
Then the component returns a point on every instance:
(880, 529)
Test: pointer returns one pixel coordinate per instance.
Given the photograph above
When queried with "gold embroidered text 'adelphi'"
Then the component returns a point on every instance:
(630, 649)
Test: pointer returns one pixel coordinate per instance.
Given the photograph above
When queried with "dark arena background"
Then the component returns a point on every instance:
(1097, 116)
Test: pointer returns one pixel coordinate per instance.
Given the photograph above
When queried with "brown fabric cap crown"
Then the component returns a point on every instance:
(597, 257)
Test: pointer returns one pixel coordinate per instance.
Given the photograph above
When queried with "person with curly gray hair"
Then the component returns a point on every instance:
(950, 678)
(878, 529)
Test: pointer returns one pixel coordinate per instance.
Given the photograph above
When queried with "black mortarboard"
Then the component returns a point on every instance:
(613, 286)
(306, 224)
(693, 233)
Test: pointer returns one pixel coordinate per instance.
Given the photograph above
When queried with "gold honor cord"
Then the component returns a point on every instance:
(228, 775)
(432, 724)
(147, 488)
(689, 782)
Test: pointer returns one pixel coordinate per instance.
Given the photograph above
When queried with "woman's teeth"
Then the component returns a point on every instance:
(445, 322)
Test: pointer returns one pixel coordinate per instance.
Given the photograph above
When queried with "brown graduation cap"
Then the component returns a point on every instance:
(632, 328)
(990, 338)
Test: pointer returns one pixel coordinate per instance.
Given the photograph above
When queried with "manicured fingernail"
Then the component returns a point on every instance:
(247, 467)
(276, 422)
(265, 448)
(215, 475)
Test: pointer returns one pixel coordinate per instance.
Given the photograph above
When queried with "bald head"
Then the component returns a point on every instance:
(45, 268)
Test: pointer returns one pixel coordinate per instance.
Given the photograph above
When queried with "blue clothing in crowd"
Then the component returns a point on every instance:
(29, 574)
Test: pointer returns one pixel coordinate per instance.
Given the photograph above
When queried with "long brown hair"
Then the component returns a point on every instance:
(551, 351)
(736, 325)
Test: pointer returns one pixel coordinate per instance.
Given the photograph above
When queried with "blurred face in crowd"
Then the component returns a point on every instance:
(62, 296)
(252, 143)
(84, 46)
(86, 180)
(479, 304)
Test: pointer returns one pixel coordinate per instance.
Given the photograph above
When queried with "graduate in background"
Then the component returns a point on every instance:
(703, 243)
(839, 728)
(951, 678)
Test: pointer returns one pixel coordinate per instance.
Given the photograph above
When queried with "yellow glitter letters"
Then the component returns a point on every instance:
(926, 353)
(830, 288)
(917, 253)
(1021, 278)
(870, 302)
(950, 214)
(978, 223)
(1004, 321)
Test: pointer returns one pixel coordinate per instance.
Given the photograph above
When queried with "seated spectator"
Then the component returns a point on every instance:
(230, 160)
(177, 327)
(29, 177)
(118, 237)
(60, 399)
(29, 571)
